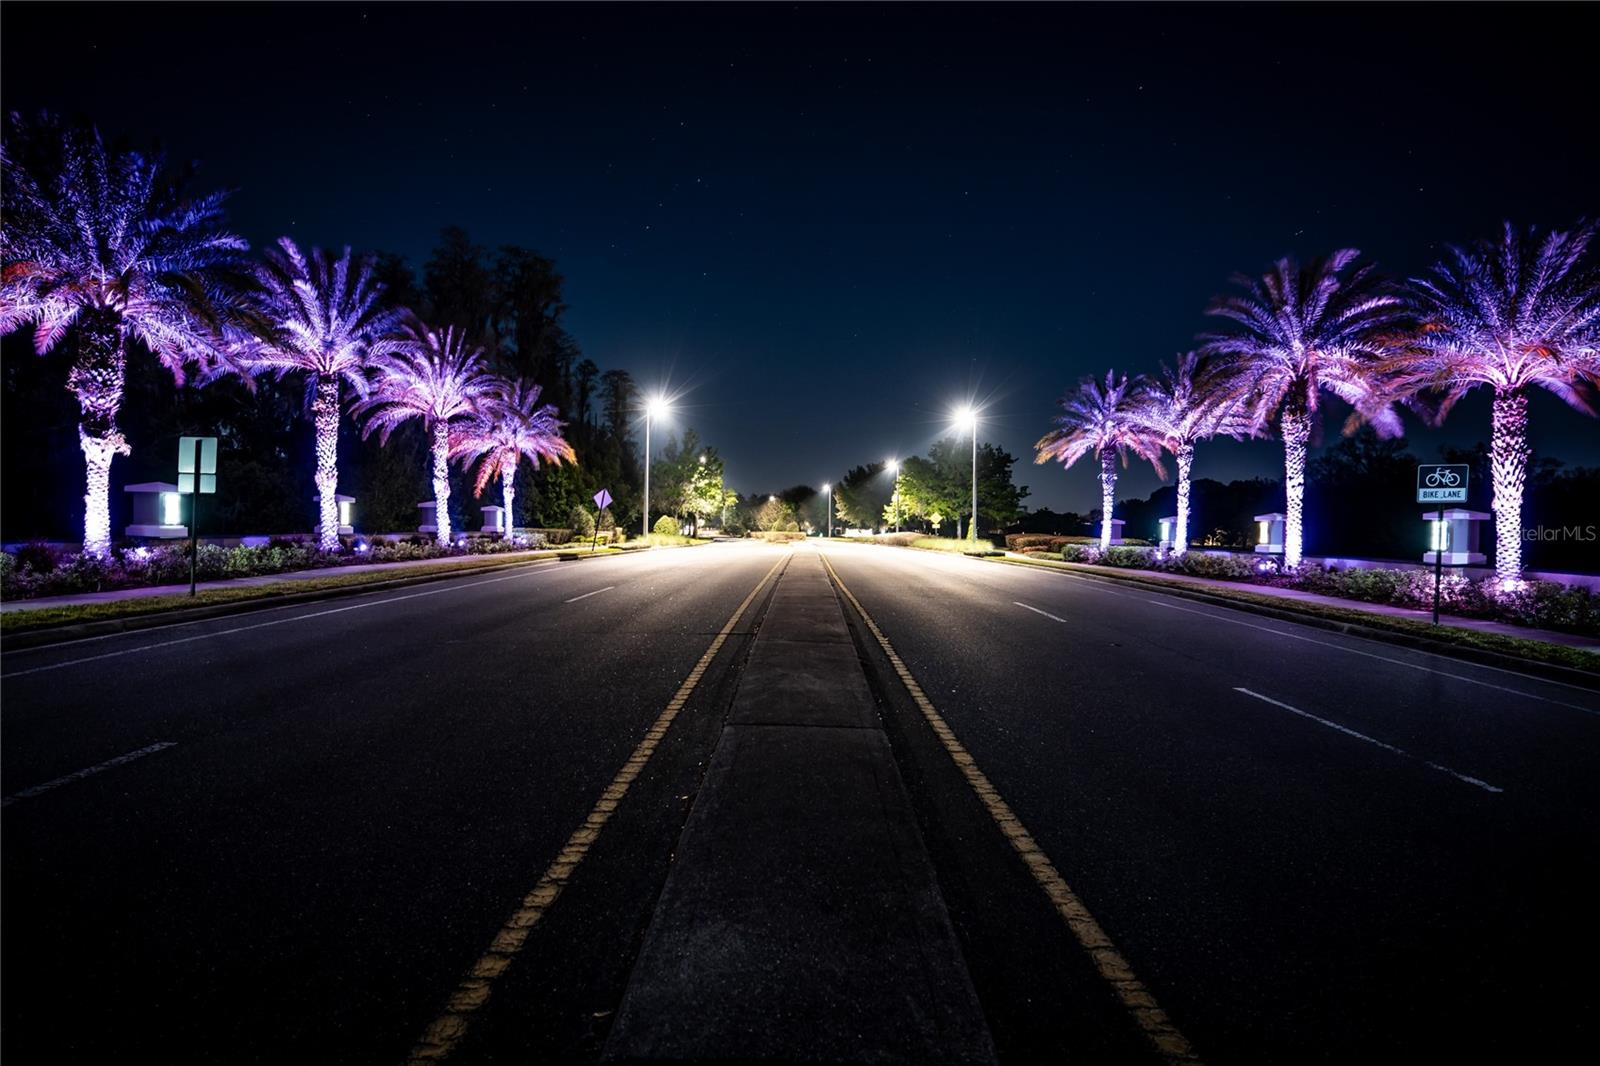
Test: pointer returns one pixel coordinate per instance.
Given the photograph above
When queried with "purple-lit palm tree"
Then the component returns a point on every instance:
(1102, 418)
(1183, 404)
(323, 315)
(1299, 330)
(107, 245)
(432, 376)
(511, 423)
(1516, 313)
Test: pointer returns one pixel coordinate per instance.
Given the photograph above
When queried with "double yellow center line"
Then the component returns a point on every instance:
(1147, 1014)
(448, 1030)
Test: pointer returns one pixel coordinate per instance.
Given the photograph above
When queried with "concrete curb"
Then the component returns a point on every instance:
(45, 636)
(1480, 656)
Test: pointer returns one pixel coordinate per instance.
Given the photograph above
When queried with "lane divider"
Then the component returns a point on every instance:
(596, 592)
(1036, 610)
(447, 1031)
(1476, 782)
(1169, 1043)
(97, 768)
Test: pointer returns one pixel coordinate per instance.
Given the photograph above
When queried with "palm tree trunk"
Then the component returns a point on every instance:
(1296, 434)
(1508, 471)
(325, 415)
(1108, 493)
(97, 379)
(441, 481)
(1180, 535)
(508, 492)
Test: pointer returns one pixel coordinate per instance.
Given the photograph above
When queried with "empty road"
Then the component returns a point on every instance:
(309, 834)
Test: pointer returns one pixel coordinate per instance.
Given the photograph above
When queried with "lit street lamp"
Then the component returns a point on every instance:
(894, 468)
(827, 487)
(967, 419)
(653, 408)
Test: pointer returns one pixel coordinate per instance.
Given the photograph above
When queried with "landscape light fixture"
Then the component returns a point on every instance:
(654, 407)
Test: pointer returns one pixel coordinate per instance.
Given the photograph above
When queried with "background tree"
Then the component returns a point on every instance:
(510, 423)
(1297, 331)
(322, 315)
(1101, 419)
(1515, 313)
(860, 495)
(436, 378)
(107, 245)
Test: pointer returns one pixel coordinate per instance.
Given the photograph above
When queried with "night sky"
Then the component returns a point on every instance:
(822, 226)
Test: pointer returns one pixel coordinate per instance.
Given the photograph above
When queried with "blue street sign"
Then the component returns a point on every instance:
(1442, 482)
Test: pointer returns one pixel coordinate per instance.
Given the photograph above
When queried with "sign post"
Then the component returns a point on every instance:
(602, 500)
(1441, 483)
(197, 474)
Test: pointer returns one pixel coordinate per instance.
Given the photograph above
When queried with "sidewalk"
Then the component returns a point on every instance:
(398, 569)
(1571, 640)
(801, 911)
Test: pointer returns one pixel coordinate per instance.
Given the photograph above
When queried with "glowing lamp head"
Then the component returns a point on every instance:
(827, 487)
(966, 416)
(893, 466)
(655, 407)
(702, 460)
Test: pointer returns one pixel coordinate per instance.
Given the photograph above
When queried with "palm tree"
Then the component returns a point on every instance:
(512, 423)
(1300, 330)
(323, 316)
(107, 244)
(1514, 313)
(1103, 419)
(436, 377)
(1185, 403)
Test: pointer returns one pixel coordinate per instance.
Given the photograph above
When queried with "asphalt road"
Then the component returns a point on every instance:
(1308, 847)
(1342, 888)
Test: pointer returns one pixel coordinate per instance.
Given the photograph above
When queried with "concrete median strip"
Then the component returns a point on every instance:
(802, 909)
(450, 1028)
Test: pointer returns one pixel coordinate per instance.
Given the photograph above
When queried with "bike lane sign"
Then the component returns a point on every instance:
(1442, 482)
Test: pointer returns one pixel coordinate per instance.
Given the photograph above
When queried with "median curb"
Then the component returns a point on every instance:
(66, 632)
(1466, 653)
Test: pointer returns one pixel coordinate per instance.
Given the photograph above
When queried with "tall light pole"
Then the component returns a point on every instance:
(967, 419)
(894, 468)
(656, 405)
(827, 487)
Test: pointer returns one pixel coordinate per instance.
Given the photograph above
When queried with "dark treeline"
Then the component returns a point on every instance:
(509, 300)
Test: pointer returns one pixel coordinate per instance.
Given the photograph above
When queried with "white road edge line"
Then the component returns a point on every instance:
(9, 674)
(1036, 610)
(79, 775)
(1387, 659)
(537, 564)
(1474, 781)
(596, 592)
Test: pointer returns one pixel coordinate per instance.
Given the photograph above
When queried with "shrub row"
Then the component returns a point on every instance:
(37, 570)
(1541, 604)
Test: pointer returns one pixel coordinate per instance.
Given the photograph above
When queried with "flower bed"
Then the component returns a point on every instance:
(1541, 604)
(36, 570)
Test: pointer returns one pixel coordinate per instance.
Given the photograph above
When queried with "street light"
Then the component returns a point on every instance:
(967, 419)
(827, 487)
(654, 408)
(894, 468)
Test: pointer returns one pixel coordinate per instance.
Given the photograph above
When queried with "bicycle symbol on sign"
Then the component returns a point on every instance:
(1447, 479)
